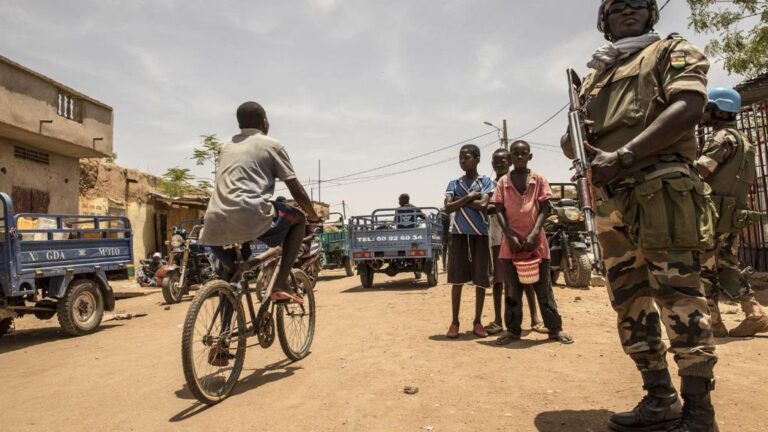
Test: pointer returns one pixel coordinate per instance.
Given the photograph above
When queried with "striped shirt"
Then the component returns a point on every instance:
(467, 220)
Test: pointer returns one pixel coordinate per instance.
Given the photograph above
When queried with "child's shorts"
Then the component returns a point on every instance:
(469, 260)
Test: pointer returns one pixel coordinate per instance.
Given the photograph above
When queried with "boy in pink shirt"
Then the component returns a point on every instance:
(524, 196)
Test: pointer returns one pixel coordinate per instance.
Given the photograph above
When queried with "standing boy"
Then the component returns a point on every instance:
(469, 258)
(500, 162)
(524, 195)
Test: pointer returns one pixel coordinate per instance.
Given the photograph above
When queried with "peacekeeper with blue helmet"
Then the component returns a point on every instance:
(727, 163)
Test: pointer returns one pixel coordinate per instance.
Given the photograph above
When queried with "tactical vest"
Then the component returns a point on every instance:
(731, 183)
(734, 178)
(624, 100)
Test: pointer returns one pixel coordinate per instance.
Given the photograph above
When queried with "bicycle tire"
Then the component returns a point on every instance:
(302, 284)
(190, 359)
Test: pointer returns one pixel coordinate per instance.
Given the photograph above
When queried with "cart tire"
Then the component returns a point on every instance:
(348, 267)
(172, 292)
(5, 325)
(81, 309)
(581, 275)
(431, 269)
(366, 275)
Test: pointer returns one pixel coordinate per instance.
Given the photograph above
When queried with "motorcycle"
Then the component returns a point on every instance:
(188, 263)
(569, 244)
(310, 257)
(146, 276)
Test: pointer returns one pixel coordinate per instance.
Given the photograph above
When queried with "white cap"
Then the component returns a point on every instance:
(156, 255)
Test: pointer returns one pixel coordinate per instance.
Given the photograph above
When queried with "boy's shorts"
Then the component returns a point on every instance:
(285, 217)
(498, 268)
(469, 260)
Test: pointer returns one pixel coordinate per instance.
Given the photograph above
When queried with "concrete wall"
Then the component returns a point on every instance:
(27, 98)
(60, 178)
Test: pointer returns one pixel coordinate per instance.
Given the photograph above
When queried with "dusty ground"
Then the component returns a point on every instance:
(369, 345)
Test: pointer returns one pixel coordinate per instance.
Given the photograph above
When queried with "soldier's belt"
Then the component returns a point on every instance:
(645, 175)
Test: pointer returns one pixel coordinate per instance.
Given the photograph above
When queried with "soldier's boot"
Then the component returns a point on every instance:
(718, 328)
(698, 412)
(657, 410)
(756, 320)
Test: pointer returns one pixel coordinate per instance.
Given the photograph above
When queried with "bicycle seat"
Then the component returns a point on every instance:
(256, 260)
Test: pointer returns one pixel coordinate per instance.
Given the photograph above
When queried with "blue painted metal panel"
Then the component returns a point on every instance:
(378, 234)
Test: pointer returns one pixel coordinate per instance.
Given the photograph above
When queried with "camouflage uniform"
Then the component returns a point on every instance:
(728, 162)
(654, 220)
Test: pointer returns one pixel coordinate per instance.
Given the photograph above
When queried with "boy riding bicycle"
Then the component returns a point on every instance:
(241, 210)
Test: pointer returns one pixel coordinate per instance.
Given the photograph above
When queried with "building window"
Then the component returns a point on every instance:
(30, 155)
(27, 200)
(70, 107)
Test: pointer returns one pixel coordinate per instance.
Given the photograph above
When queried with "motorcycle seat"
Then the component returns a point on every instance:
(567, 202)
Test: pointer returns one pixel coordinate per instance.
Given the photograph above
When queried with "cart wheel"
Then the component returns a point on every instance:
(5, 325)
(348, 267)
(81, 309)
(366, 275)
(430, 268)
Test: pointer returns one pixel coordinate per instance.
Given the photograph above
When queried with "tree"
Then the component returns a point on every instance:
(209, 152)
(175, 182)
(112, 158)
(742, 51)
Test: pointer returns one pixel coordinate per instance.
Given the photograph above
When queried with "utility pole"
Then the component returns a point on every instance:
(505, 139)
(318, 181)
(344, 209)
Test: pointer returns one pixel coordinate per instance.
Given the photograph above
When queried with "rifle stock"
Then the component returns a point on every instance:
(581, 167)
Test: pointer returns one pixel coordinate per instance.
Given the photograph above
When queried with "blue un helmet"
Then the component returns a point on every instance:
(725, 99)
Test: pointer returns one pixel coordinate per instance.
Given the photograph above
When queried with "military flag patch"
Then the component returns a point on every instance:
(677, 59)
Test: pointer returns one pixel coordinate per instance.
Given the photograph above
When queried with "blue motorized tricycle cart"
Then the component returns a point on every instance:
(60, 265)
(393, 241)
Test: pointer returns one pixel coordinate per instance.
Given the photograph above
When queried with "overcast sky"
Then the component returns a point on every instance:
(356, 84)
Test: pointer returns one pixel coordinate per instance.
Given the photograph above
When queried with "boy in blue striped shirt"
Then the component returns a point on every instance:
(469, 257)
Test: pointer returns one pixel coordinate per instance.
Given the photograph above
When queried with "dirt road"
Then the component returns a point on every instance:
(369, 344)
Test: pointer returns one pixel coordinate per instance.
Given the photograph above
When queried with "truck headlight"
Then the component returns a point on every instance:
(177, 241)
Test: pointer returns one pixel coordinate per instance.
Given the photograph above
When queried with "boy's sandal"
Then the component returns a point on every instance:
(539, 328)
(562, 337)
(453, 332)
(493, 328)
(286, 297)
(508, 338)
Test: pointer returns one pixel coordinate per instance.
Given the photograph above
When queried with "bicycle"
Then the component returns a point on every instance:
(215, 330)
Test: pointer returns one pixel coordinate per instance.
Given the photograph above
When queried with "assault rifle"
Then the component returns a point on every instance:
(583, 172)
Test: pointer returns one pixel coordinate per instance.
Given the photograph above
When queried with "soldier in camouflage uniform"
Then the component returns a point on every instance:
(653, 212)
(727, 164)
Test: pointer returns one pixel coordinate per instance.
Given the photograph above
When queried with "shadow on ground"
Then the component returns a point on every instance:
(401, 286)
(260, 377)
(22, 339)
(569, 420)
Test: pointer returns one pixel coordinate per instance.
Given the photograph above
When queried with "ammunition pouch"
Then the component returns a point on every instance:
(732, 216)
(673, 211)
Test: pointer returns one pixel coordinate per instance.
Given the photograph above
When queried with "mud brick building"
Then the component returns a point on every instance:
(45, 128)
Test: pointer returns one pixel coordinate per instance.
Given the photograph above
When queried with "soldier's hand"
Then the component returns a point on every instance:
(605, 165)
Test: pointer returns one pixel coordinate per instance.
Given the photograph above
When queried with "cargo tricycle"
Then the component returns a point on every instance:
(333, 238)
(55, 264)
(382, 243)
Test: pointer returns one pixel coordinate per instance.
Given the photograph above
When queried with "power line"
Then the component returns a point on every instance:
(411, 158)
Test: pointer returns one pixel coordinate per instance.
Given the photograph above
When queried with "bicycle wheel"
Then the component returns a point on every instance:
(213, 342)
(295, 322)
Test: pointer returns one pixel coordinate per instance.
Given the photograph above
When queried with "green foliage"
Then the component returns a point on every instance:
(205, 185)
(209, 152)
(175, 182)
(112, 158)
(743, 51)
